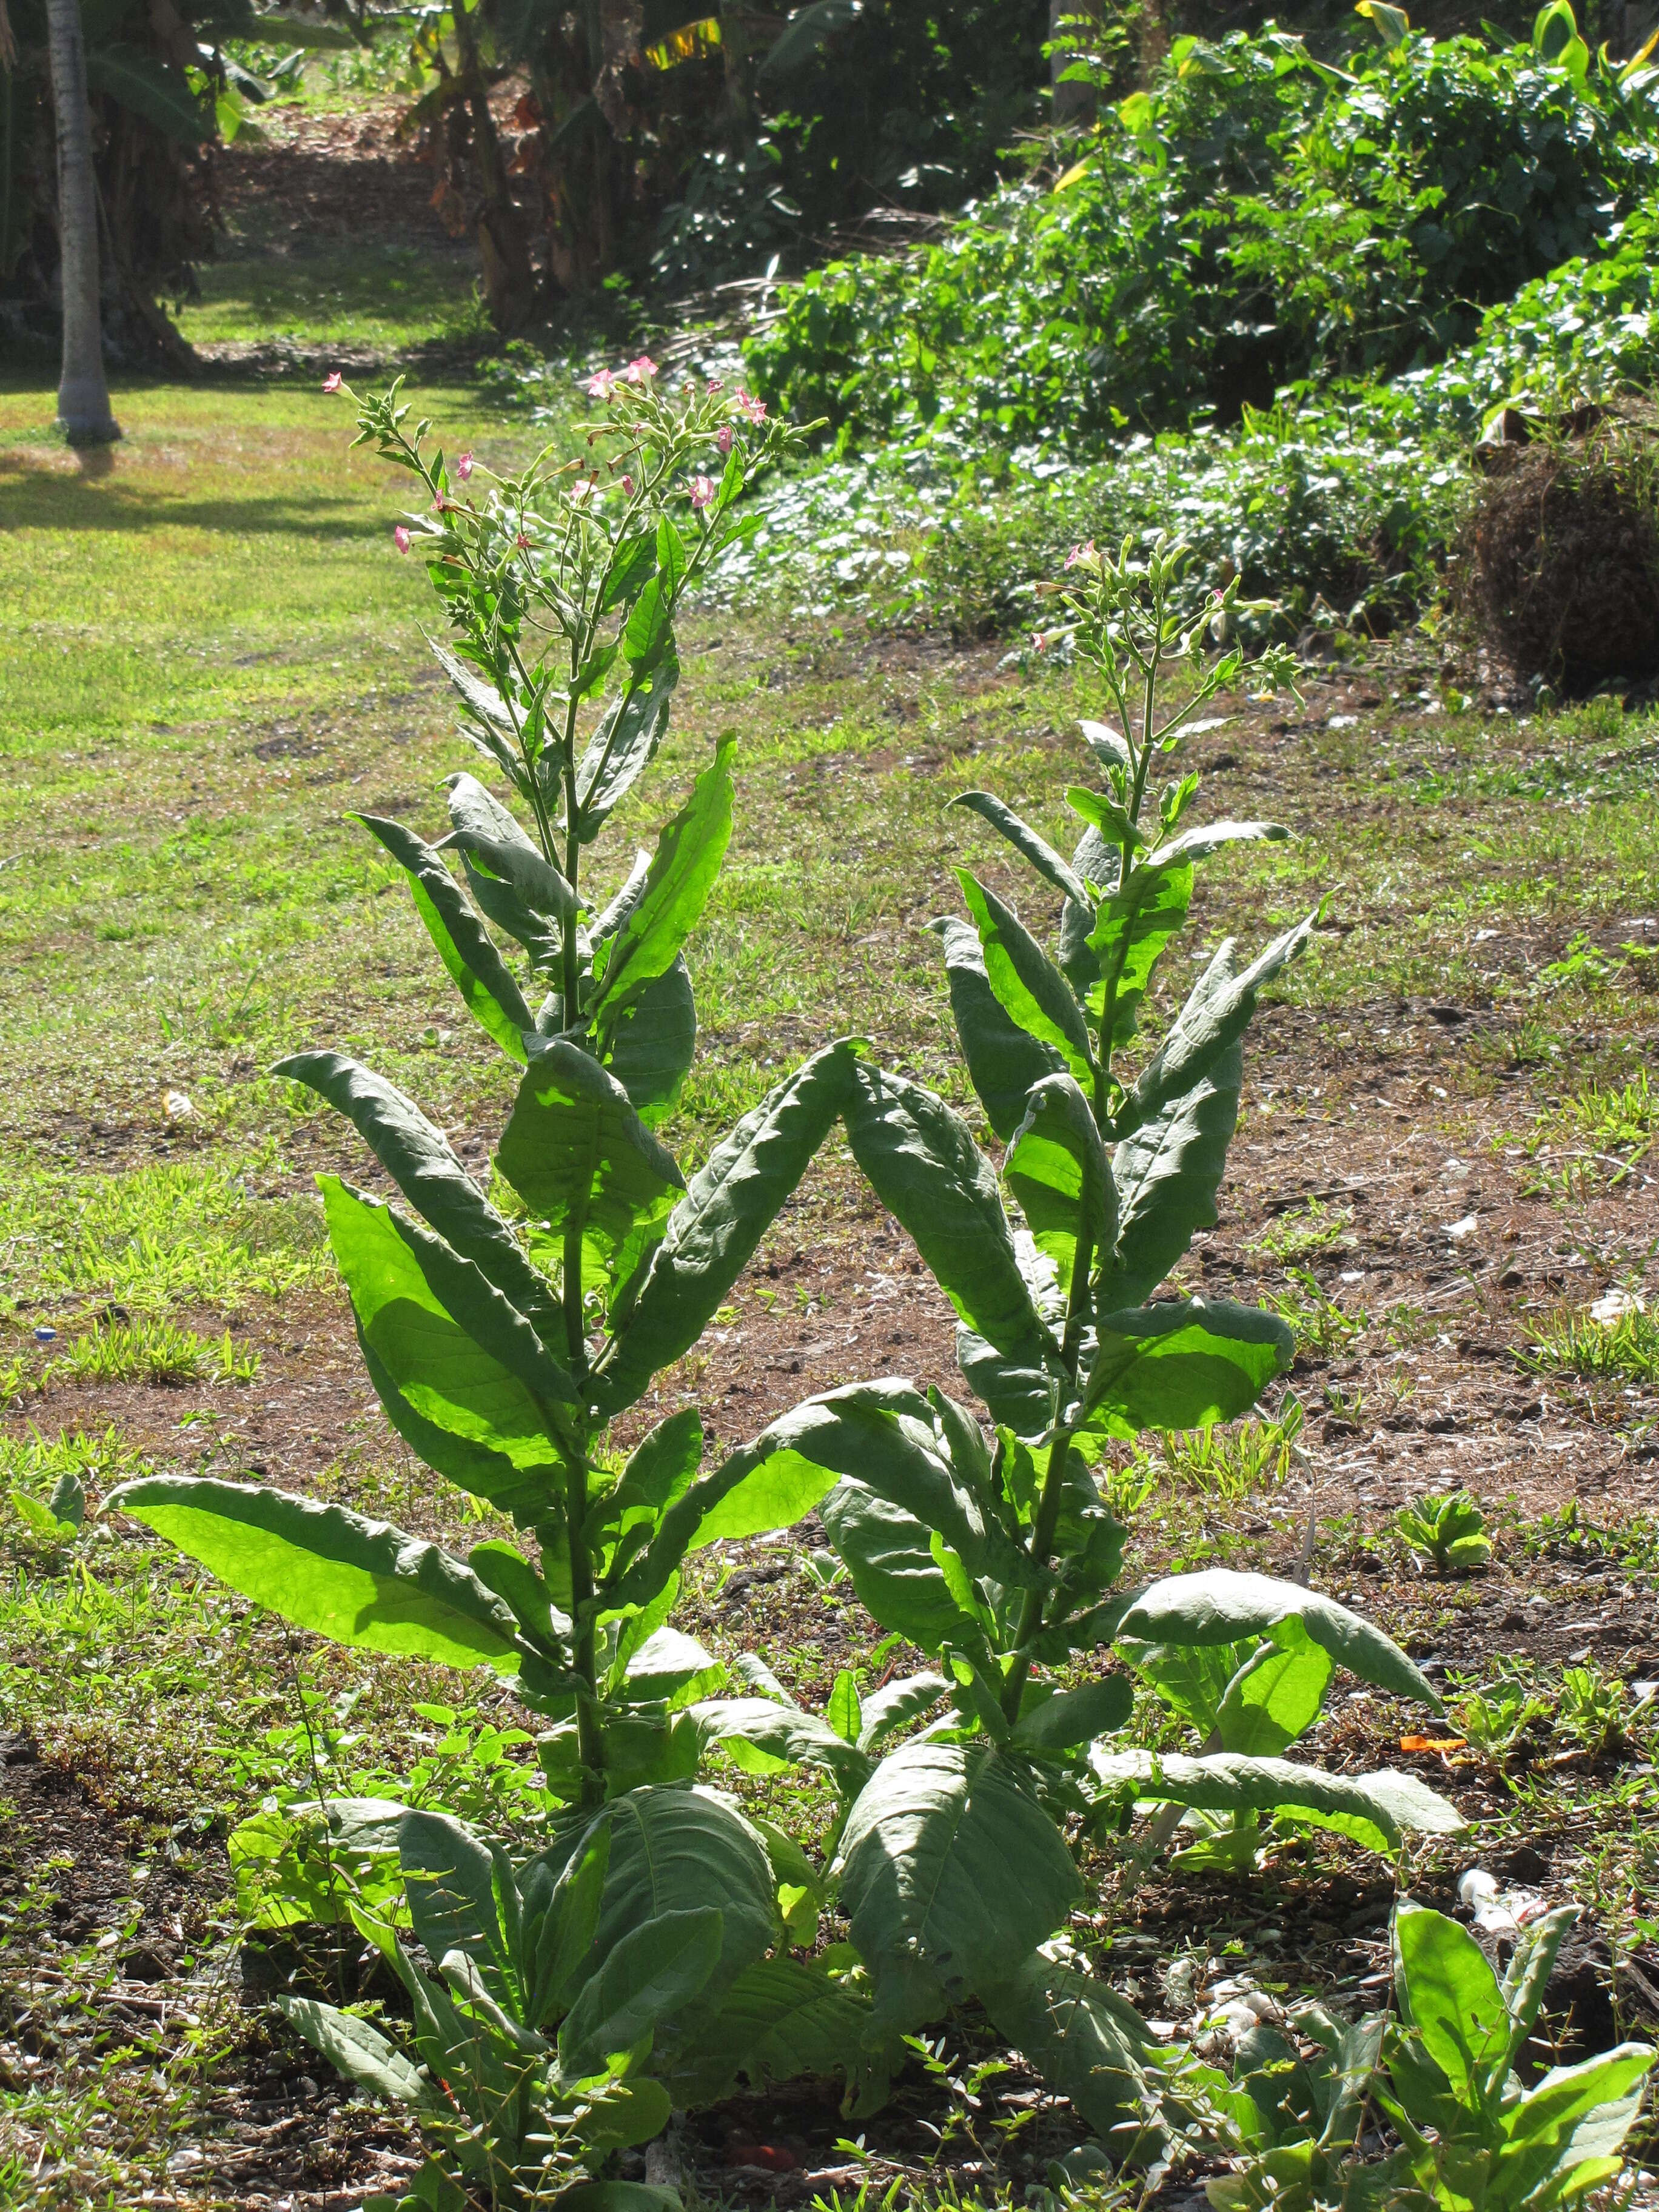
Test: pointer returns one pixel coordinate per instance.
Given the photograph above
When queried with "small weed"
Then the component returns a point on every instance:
(1626, 1350)
(1304, 1230)
(1321, 1325)
(143, 1351)
(1448, 1529)
(1234, 1462)
(1590, 1710)
(1494, 1717)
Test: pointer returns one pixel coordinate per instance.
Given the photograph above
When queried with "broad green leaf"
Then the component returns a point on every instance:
(663, 1666)
(417, 1158)
(1032, 989)
(1276, 1696)
(342, 1575)
(647, 634)
(682, 871)
(499, 903)
(1374, 1809)
(663, 1465)
(579, 1156)
(882, 1435)
(1577, 2113)
(896, 1705)
(1097, 864)
(762, 1738)
(656, 1969)
(463, 1897)
(845, 1712)
(1075, 1717)
(1019, 1394)
(1026, 842)
(147, 85)
(712, 1233)
(1446, 1990)
(497, 1326)
(358, 2050)
(1091, 2047)
(1115, 824)
(1185, 1364)
(469, 955)
(1131, 930)
(494, 841)
(519, 1486)
(1215, 1016)
(451, 1401)
(482, 700)
(1004, 1060)
(1057, 1168)
(648, 1047)
(569, 1923)
(622, 746)
(1198, 844)
(888, 1555)
(947, 1858)
(679, 1850)
(1167, 1176)
(781, 2020)
(927, 1171)
(1222, 1606)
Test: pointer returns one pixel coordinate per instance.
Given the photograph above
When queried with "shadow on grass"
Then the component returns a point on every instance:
(97, 498)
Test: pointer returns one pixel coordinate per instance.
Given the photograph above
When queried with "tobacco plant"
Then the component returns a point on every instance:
(997, 1553)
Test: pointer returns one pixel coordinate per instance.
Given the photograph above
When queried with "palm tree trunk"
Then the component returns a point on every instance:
(83, 409)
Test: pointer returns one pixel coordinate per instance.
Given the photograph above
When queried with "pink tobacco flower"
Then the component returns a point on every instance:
(702, 491)
(602, 386)
(581, 490)
(640, 369)
(723, 437)
(1079, 555)
(400, 538)
(521, 543)
(463, 467)
(333, 381)
(751, 410)
(628, 486)
(715, 384)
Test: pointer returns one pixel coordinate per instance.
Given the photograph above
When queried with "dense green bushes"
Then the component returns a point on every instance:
(1257, 219)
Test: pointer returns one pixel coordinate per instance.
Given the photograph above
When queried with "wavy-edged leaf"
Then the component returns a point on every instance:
(1004, 1060)
(1098, 865)
(580, 1158)
(1092, 2045)
(1447, 1992)
(493, 842)
(677, 1851)
(1057, 1168)
(358, 2050)
(417, 1158)
(1167, 1176)
(1131, 930)
(1073, 1716)
(462, 1898)
(335, 1572)
(896, 1705)
(649, 1047)
(1018, 1393)
(1026, 842)
(889, 1556)
(450, 1398)
(476, 969)
(622, 747)
(682, 871)
(1276, 1695)
(657, 1968)
(762, 1737)
(1209, 837)
(928, 1172)
(1374, 1809)
(1220, 1605)
(1034, 994)
(727, 1207)
(782, 2020)
(947, 1858)
(482, 702)
(1182, 1365)
(1214, 1017)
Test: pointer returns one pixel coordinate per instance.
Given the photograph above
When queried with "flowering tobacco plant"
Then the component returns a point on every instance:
(997, 1553)
(502, 1340)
